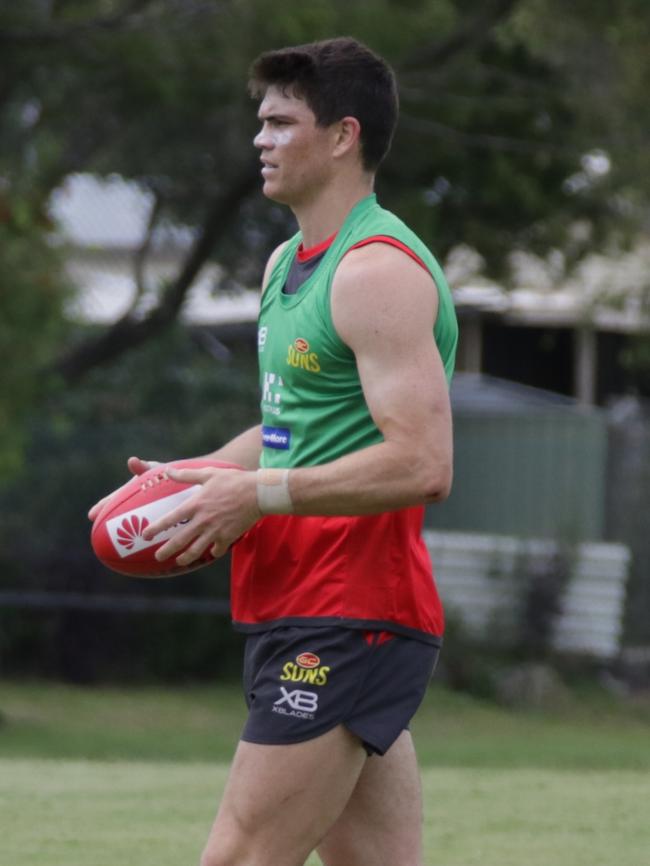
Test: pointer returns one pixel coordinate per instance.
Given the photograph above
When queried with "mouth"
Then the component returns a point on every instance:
(268, 168)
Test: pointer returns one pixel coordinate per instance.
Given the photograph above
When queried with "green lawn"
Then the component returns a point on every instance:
(591, 731)
(116, 776)
(97, 813)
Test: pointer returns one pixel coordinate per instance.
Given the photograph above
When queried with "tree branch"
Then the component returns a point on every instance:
(470, 34)
(484, 141)
(140, 256)
(129, 332)
(64, 32)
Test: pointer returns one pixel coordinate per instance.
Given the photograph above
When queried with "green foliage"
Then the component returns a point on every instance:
(601, 49)
(32, 326)
(187, 392)
(488, 136)
(186, 403)
(482, 149)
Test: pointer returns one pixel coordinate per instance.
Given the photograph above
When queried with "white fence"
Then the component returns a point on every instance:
(481, 580)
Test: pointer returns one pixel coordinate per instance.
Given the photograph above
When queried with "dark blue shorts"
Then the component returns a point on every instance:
(301, 682)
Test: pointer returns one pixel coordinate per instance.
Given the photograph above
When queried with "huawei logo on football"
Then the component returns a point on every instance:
(130, 530)
(125, 530)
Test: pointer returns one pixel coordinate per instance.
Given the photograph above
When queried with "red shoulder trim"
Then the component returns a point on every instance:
(303, 255)
(393, 242)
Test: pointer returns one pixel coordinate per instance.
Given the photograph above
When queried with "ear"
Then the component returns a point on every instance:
(347, 138)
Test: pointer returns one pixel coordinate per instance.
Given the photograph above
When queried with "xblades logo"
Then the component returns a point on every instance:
(301, 704)
(131, 529)
(261, 337)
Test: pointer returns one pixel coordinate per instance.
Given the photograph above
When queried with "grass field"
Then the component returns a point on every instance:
(114, 776)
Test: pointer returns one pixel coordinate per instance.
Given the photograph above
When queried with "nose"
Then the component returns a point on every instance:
(262, 140)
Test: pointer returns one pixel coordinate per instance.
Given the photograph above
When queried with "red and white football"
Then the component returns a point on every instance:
(116, 536)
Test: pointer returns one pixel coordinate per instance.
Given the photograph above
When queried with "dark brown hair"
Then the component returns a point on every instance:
(337, 78)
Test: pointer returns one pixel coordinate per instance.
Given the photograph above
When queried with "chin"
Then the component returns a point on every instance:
(275, 194)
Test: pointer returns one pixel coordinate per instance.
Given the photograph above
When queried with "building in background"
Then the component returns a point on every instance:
(117, 267)
(566, 335)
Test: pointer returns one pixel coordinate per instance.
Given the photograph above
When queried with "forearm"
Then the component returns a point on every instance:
(244, 449)
(382, 477)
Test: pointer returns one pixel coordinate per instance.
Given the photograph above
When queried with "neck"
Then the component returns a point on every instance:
(326, 212)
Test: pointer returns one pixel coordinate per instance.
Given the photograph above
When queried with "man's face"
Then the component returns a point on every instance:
(296, 154)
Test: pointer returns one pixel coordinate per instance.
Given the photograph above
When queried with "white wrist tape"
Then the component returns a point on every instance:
(273, 496)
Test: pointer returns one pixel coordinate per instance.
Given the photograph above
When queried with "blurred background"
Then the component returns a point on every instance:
(133, 237)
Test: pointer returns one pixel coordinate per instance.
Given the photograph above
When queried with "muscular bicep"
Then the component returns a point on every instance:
(384, 307)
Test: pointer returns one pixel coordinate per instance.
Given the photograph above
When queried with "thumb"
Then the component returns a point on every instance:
(137, 466)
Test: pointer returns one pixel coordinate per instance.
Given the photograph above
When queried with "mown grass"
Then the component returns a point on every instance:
(96, 777)
(147, 723)
(591, 730)
(133, 813)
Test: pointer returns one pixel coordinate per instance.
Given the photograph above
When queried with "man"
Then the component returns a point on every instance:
(330, 577)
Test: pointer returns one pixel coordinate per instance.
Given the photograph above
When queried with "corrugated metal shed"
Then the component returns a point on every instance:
(527, 462)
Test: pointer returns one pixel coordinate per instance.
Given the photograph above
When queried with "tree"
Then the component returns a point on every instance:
(498, 110)
(32, 326)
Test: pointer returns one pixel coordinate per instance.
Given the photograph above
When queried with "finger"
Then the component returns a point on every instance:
(194, 551)
(179, 541)
(97, 507)
(189, 476)
(218, 550)
(183, 514)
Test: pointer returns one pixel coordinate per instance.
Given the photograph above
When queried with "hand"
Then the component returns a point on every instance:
(214, 517)
(137, 467)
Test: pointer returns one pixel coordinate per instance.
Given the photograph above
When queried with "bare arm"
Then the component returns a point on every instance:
(384, 307)
(244, 449)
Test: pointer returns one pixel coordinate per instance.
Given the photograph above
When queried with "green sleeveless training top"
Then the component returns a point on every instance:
(313, 407)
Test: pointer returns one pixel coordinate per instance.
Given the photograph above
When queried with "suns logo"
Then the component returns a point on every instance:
(130, 530)
(306, 669)
(298, 355)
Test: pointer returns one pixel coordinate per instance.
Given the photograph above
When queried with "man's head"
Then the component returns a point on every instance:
(337, 78)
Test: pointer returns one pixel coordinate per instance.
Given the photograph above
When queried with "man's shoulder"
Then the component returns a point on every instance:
(377, 258)
(379, 279)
